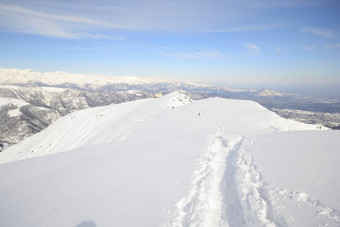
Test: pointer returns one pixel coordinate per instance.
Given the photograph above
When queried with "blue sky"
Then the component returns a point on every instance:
(245, 41)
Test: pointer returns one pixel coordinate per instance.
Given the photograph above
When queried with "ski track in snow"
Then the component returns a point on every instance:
(228, 190)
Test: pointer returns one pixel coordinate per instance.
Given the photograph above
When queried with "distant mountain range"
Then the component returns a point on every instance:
(30, 100)
(98, 83)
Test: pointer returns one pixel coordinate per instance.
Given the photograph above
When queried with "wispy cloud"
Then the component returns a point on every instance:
(68, 19)
(20, 19)
(278, 49)
(253, 49)
(327, 46)
(332, 46)
(322, 32)
(99, 36)
(262, 27)
(196, 55)
(310, 47)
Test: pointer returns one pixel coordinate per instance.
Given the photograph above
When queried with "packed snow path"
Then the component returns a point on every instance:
(204, 205)
(228, 190)
(215, 198)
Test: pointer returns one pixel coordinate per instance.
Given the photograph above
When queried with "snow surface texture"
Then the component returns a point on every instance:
(173, 162)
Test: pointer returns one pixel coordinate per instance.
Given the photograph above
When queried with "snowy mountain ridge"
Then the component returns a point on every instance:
(268, 92)
(97, 125)
(173, 161)
(31, 77)
(55, 94)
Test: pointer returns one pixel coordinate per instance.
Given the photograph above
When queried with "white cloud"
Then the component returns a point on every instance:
(98, 36)
(322, 32)
(310, 48)
(196, 55)
(247, 28)
(66, 19)
(19, 19)
(278, 49)
(209, 54)
(253, 49)
(332, 46)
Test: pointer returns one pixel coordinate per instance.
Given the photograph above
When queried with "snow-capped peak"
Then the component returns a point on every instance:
(10, 76)
(268, 92)
(176, 99)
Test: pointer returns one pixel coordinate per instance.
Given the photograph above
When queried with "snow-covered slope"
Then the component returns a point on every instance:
(92, 126)
(168, 161)
(116, 122)
(20, 119)
(25, 111)
(283, 166)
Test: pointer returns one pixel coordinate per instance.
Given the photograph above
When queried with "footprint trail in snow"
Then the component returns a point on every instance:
(228, 190)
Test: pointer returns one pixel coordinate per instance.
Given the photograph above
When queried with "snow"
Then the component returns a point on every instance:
(304, 170)
(49, 89)
(268, 92)
(17, 103)
(172, 161)
(10, 76)
(316, 150)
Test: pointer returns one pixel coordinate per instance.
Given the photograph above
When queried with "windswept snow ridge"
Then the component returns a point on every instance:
(172, 162)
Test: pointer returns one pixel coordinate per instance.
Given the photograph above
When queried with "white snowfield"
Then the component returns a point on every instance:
(173, 162)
